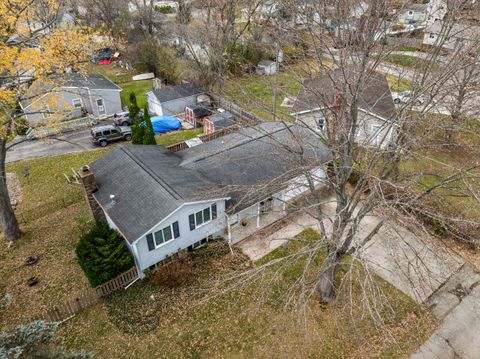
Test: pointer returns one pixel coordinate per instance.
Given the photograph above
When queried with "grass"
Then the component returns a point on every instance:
(47, 215)
(177, 136)
(409, 61)
(398, 84)
(407, 48)
(140, 88)
(123, 78)
(254, 320)
(255, 92)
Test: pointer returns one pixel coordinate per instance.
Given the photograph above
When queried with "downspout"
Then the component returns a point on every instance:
(136, 259)
(90, 99)
(258, 215)
(229, 233)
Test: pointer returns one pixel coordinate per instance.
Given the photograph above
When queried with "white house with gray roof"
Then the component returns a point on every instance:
(172, 100)
(322, 100)
(164, 202)
(455, 36)
(413, 14)
(71, 96)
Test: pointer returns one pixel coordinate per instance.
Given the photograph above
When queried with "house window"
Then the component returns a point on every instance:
(77, 103)
(166, 234)
(202, 217)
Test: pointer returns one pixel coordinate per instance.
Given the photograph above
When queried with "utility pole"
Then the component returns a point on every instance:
(275, 85)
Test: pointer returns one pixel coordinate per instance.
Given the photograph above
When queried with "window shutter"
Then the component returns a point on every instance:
(214, 211)
(151, 246)
(176, 230)
(191, 219)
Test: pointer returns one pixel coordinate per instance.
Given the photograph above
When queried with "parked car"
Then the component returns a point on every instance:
(123, 118)
(406, 97)
(103, 135)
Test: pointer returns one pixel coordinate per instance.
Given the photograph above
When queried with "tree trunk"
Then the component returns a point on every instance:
(8, 221)
(325, 287)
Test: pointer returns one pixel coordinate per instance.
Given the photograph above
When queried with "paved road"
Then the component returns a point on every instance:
(72, 142)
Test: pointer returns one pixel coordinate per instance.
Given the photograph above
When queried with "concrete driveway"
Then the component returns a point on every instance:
(441, 280)
(77, 141)
(411, 264)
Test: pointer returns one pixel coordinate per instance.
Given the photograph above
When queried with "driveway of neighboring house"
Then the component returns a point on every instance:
(428, 274)
(77, 141)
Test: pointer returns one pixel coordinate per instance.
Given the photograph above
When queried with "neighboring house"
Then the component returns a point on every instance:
(267, 67)
(451, 37)
(436, 10)
(172, 100)
(164, 202)
(414, 14)
(72, 96)
(195, 114)
(218, 121)
(319, 102)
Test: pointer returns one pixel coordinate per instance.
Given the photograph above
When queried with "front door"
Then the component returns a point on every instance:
(101, 107)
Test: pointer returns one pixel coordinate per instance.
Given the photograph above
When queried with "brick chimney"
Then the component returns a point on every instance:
(89, 184)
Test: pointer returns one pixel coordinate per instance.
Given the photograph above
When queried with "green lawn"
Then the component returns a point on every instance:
(116, 74)
(140, 88)
(253, 320)
(255, 93)
(177, 136)
(123, 78)
(48, 216)
(398, 84)
(408, 61)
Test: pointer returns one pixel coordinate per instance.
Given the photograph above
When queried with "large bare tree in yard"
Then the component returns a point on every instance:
(33, 49)
(346, 103)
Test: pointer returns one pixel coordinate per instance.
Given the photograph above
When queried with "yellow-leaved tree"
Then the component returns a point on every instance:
(35, 48)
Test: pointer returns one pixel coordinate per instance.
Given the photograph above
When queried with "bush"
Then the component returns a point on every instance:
(36, 339)
(102, 254)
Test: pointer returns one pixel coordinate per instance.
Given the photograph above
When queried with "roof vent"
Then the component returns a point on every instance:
(85, 168)
(113, 199)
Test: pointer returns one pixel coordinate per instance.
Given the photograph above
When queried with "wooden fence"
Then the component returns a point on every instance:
(248, 118)
(179, 146)
(88, 298)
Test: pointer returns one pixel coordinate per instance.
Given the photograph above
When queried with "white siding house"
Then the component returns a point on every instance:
(163, 202)
(172, 100)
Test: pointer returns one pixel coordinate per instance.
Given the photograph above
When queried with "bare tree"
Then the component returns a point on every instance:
(348, 106)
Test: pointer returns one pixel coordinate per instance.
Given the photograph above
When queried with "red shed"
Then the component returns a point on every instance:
(197, 113)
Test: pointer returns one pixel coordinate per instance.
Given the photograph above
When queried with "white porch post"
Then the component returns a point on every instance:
(258, 215)
(229, 233)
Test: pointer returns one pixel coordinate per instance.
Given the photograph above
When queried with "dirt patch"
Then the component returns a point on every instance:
(14, 189)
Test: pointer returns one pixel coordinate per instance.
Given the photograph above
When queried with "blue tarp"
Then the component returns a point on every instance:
(163, 124)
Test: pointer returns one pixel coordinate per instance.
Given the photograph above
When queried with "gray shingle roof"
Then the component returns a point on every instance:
(319, 92)
(149, 182)
(458, 30)
(222, 120)
(92, 81)
(175, 92)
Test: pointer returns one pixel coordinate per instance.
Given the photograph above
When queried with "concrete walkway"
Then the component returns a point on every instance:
(443, 281)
